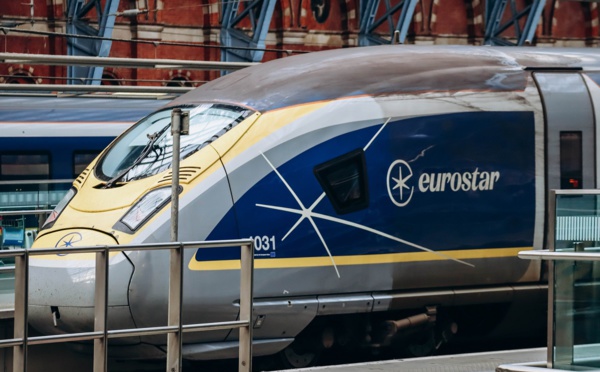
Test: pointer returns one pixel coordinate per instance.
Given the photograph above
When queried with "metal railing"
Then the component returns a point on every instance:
(26, 212)
(101, 334)
(62, 60)
(559, 256)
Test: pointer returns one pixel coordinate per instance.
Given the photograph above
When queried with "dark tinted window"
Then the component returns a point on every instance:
(24, 166)
(344, 180)
(571, 164)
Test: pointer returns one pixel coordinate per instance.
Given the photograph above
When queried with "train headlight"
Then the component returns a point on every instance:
(59, 208)
(149, 204)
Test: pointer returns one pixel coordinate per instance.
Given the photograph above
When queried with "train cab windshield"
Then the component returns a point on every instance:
(147, 148)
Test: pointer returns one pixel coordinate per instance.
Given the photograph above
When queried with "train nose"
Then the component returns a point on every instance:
(61, 287)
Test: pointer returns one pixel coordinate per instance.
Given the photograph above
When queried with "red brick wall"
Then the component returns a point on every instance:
(294, 27)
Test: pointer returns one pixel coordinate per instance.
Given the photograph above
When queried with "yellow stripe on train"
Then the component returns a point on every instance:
(278, 263)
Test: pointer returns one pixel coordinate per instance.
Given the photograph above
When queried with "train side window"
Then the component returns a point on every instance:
(344, 180)
(571, 160)
(81, 159)
(24, 166)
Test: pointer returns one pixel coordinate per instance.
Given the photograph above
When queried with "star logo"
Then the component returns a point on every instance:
(68, 241)
(399, 173)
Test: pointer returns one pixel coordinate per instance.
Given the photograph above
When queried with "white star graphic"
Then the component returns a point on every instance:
(401, 182)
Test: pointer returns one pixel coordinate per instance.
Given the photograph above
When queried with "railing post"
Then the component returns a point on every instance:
(175, 133)
(550, 246)
(100, 309)
(174, 358)
(20, 316)
(246, 295)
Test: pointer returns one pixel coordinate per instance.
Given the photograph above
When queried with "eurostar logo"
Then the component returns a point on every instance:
(69, 240)
(398, 175)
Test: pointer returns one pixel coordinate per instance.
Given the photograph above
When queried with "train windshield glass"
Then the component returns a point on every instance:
(147, 149)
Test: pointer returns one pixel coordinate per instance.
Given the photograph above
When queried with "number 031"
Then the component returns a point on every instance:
(264, 242)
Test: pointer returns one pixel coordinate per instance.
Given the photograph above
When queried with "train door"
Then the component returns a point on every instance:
(592, 79)
(570, 135)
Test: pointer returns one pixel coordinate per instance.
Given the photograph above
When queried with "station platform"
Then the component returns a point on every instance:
(473, 362)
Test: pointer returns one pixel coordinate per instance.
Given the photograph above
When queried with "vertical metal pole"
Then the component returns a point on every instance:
(20, 321)
(550, 237)
(175, 132)
(174, 339)
(31, 8)
(100, 310)
(246, 295)
(174, 359)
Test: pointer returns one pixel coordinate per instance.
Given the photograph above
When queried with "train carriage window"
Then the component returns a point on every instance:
(81, 160)
(24, 166)
(571, 163)
(344, 180)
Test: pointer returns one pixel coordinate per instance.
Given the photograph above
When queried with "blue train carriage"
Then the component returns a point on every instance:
(45, 143)
(387, 190)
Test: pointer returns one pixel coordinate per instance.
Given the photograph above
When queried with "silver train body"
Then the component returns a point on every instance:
(388, 191)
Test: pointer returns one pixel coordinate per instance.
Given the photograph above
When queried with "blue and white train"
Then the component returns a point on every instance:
(49, 138)
(388, 190)
(45, 143)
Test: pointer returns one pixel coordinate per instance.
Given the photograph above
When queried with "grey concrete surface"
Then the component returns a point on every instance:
(476, 362)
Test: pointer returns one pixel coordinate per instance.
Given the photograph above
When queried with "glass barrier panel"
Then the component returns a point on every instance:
(576, 290)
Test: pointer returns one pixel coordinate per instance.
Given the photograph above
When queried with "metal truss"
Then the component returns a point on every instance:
(238, 46)
(398, 29)
(520, 21)
(96, 44)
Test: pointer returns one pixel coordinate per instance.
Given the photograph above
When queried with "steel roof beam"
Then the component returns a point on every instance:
(93, 88)
(77, 24)
(522, 20)
(44, 59)
(369, 9)
(259, 14)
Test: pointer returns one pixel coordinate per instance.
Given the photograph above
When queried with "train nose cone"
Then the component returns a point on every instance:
(64, 284)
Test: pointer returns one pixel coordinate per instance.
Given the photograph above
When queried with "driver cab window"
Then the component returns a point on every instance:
(344, 180)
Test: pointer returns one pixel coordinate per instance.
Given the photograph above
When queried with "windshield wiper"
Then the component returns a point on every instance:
(185, 152)
(152, 138)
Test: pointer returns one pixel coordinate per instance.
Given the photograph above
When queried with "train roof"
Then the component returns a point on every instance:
(62, 109)
(385, 70)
